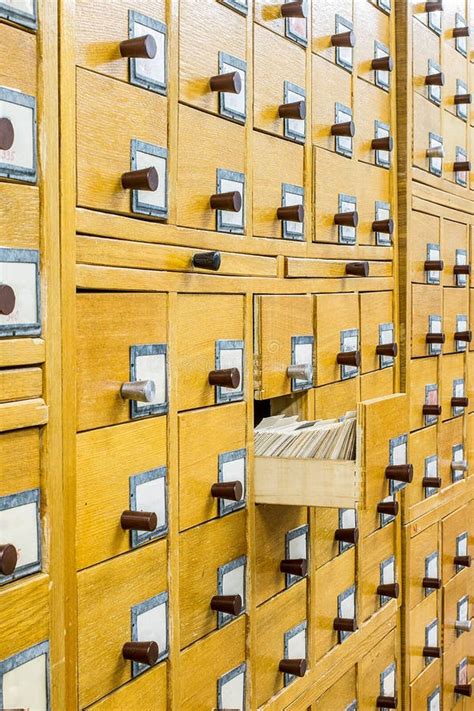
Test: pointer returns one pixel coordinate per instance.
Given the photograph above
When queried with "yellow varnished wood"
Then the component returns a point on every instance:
(23, 413)
(18, 62)
(376, 384)
(20, 384)
(27, 622)
(344, 692)
(148, 690)
(375, 309)
(333, 313)
(21, 351)
(372, 666)
(19, 461)
(19, 217)
(378, 547)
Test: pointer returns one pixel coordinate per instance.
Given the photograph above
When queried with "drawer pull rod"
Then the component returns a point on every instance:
(296, 667)
(225, 378)
(140, 390)
(139, 47)
(141, 652)
(7, 299)
(8, 559)
(7, 134)
(229, 604)
(231, 490)
(139, 521)
(294, 566)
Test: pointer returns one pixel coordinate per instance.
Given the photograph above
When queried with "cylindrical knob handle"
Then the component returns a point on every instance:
(400, 472)
(384, 226)
(463, 689)
(463, 560)
(7, 134)
(346, 128)
(462, 99)
(296, 667)
(232, 202)
(433, 6)
(139, 520)
(144, 179)
(230, 604)
(295, 110)
(435, 338)
(294, 566)
(389, 590)
(230, 83)
(8, 559)
(433, 652)
(345, 624)
(459, 402)
(225, 378)
(432, 410)
(349, 358)
(431, 482)
(360, 269)
(462, 269)
(142, 652)
(387, 349)
(347, 219)
(461, 31)
(139, 47)
(384, 64)
(294, 213)
(140, 390)
(434, 265)
(461, 465)
(302, 371)
(207, 260)
(432, 583)
(386, 702)
(384, 143)
(343, 39)
(231, 490)
(435, 152)
(293, 9)
(461, 166)
(347, 535)
(389, 508)
(435, 79)
(463, 336)
(463, 625)
(7, 299)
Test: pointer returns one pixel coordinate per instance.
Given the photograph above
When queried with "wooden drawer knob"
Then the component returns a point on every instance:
(433, 265)
(346, 128)
(8, 559)
(343, 39)
(294, 566)
(400, 472)
(463, 336)
(294, 213)
(207, 260)
(385, 226)
(347, 219)
(7, 134)
(384, 143)
(226, 378)
(7, 299)
(139, 521)
(293, 9)
(229, 604)
(461, 32)
(435, 152)
(360, 269)
(387, 349)
(347, 535)
(230, 83)
(232, 202)
(388, 508)
(433, 6)
(140, 390)
(433, 652)
(431, 482)
(460, 466)
(462, 269)
(386, 702)
(349, 358)
(383, 64)
(144, 179)
(142, 652)
(432, 583)
(462, 99)
(459, 402)
(139, 47)
(296, 667)
(463, 560)
(435, 79)
(389, 590)
(462, 166)
(302, 371)
(432, 410)
(435, 338)
(463, 625)
(295, 110)
(231, 490)
(345, 624)
(463, 689)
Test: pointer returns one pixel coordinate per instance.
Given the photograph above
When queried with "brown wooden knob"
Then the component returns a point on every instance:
(230, 83)
(139, 520)
(386, 702)
(432, 583)
(384, 143)
(294, 213)
(294, 566)
(296, 667)
(462, 269)
(463, 560)
(463, 336)
(293, 9)
(207, 260)
(462, 166)
(432, 410)
(433, 6)
(462, 99)
(389, 590)
(232, 490)
(345, 624)
(463, 625)
(343, 39)
(8, 559)
(434, 79)
(144, 179)
(461, 31)
(431, 482)
(388, 508)
(400, 472)
(349, 358)
(435, 338)
(142, 652)
(360, 269)
(226, 378)
(7, 134)
(459, 402)
(295, 110)
(347, 535)
(384, 64)
(384, 226)
(463, 689)
(434, 265)
(7, 299)
(232, 202)
(230, 604)
(434, 652)
(346, 128)
(347, 219)
(387, 349)
(139, 47)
